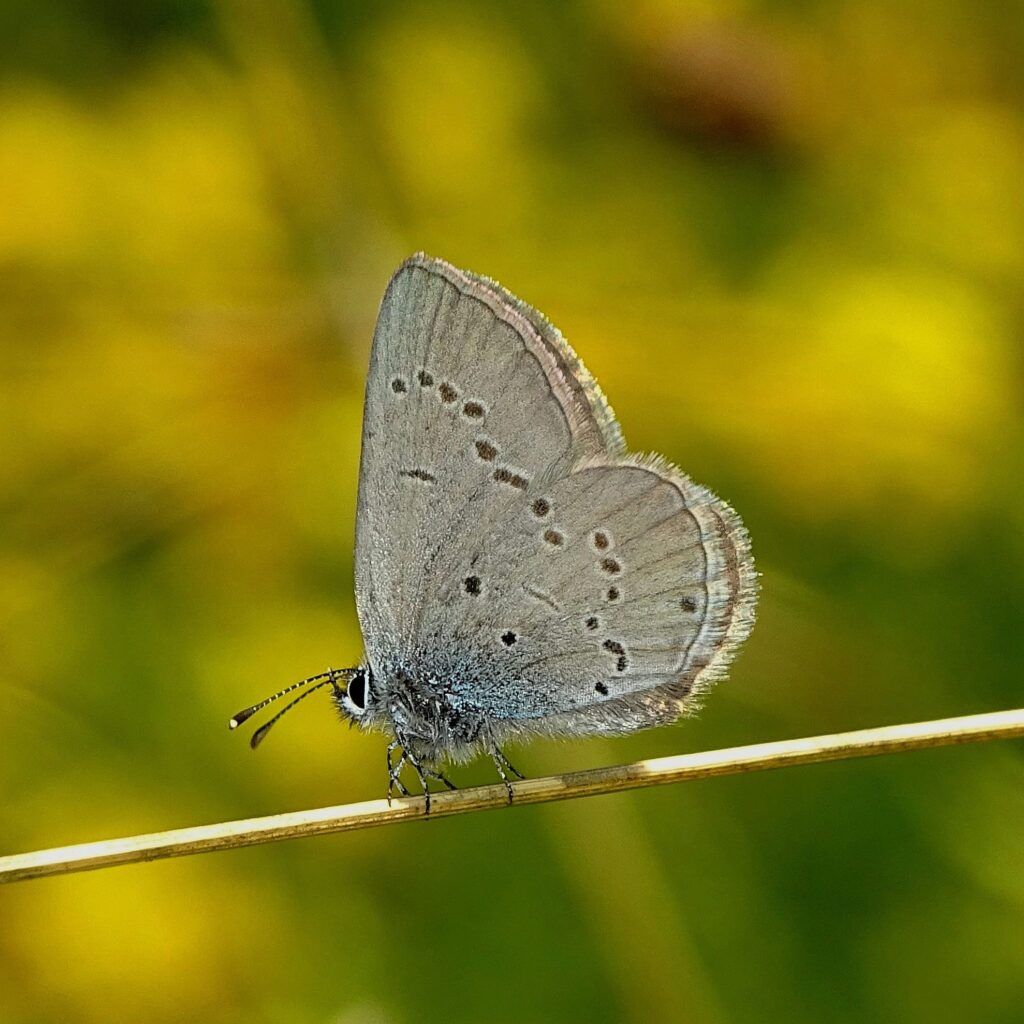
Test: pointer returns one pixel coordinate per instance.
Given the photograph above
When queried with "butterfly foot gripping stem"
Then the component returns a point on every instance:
(414, 761)
(505, 768)
(395, 771)
(424, 772)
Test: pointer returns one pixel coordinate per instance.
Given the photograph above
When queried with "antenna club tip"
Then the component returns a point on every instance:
(234, 723)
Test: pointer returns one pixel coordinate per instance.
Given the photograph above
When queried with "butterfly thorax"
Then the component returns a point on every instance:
(423, 716)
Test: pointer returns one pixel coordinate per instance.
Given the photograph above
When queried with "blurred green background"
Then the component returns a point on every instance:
(787, 238)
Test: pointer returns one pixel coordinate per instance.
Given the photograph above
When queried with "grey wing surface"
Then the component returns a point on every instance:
(470, 396)
(508, 547)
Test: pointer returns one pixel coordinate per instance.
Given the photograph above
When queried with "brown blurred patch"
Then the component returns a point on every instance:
(721, 84)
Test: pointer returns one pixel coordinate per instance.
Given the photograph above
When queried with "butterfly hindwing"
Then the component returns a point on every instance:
(612, 609)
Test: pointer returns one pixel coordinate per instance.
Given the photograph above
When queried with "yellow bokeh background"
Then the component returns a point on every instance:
(789, 242)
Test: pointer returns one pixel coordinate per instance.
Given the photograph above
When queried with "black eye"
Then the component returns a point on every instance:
(357, 692)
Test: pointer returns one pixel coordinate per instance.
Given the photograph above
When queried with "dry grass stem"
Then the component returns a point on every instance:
(661, 771)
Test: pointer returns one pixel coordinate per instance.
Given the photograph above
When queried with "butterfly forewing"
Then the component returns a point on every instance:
(461, 414)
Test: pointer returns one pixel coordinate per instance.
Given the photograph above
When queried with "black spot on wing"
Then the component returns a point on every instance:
(419, 474)
(485, 450)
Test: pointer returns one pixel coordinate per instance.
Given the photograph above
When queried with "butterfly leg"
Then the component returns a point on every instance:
(423, 776)
(501, 762)
(441, 777)
(395, 771)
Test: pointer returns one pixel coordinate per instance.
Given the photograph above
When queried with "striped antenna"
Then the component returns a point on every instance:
(239, 718)
(261, 732)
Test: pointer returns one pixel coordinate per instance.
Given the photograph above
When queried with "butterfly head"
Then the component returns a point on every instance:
(357, 702)
(352, 692)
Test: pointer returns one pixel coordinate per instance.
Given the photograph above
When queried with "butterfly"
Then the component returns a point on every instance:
(518, 572)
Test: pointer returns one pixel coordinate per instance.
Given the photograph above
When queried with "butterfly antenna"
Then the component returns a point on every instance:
(329, 676)
(259, 735)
